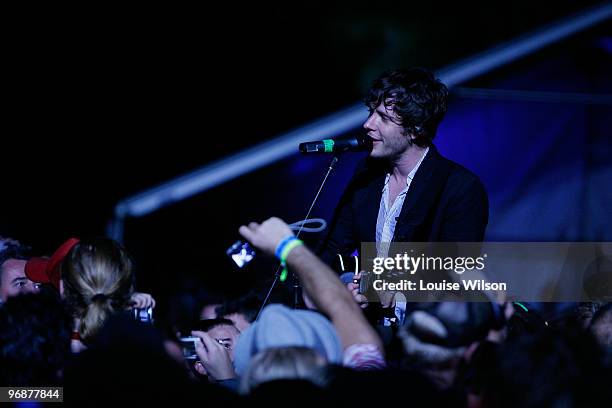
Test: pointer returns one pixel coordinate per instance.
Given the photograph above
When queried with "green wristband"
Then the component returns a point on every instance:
(288, 248)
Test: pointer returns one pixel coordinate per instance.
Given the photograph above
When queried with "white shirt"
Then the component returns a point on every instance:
(385, 226)
(387, 216)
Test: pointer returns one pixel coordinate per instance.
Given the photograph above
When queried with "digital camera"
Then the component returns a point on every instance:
(241, 253)
(188, 345)
(143, 315)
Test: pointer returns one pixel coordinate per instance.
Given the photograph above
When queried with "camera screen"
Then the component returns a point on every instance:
(143, 315)
(188, 345)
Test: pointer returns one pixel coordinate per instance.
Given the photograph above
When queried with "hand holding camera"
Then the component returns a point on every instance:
(214, 356)
(355, 289)
(266, 236)
(140, 300)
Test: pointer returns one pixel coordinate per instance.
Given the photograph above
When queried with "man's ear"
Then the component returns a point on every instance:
(409, 134)
(411, 137)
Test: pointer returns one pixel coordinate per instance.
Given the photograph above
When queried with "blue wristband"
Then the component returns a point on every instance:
(282, 244)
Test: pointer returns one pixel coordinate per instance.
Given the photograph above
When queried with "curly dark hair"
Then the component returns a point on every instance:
(416, 96)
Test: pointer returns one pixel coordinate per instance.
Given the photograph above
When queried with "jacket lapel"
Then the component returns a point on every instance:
(429, 179)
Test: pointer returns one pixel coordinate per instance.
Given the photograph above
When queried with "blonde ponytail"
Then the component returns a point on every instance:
(98, 281)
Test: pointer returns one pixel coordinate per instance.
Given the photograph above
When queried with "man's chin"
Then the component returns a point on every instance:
(375, 154)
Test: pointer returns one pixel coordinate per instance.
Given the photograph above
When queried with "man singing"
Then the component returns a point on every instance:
(405, 191)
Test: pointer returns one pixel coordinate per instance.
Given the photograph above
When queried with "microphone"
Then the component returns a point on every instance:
(352, 144)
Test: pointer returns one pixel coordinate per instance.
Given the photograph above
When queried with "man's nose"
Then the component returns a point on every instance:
(30, 287)
(369, 124)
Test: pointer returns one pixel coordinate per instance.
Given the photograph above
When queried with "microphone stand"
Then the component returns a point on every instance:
(294, 278)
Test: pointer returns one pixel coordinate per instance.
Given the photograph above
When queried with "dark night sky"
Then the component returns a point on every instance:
(104, 103)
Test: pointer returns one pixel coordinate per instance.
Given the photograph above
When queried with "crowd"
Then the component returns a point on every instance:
(68, 320)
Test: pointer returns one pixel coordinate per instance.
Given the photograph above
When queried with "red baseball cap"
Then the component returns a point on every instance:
(47, 270)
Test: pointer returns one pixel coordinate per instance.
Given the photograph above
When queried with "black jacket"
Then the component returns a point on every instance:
(445, 203)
